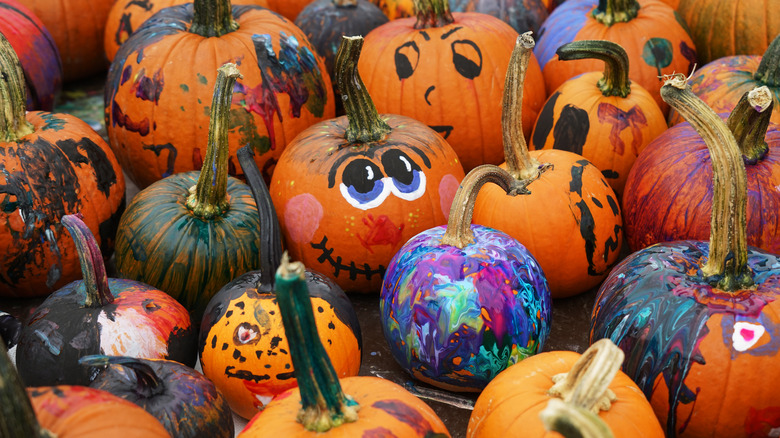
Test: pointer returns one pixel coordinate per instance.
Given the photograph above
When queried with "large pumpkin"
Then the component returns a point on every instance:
(152, 87)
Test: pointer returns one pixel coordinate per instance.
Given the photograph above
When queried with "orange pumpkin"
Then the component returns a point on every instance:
(396, 8)
(571, 220)
(288, 8)
(447, 71)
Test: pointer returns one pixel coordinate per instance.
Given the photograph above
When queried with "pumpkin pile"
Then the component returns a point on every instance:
(239, 213)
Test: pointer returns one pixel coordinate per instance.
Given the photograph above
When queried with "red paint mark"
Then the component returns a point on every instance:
(382, 231)
(760, 422)
(620, 120)
(124, 121)
(747, 334)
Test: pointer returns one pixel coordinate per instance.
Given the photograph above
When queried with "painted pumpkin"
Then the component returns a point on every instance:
(324, 405)
(606, 118)
(522, 15)
(650, 32)
(37, 53)
(571, 220)
(182, 399)
(193, 232)
(447, 71)
(696, 318)
(382, 179)
(51, 165)
(151, 87)
(10, 328)
(394, 9)
(99, 315)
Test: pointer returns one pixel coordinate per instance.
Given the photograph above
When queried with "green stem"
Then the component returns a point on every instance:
(271, 240)
(573, 422)
(93, 268)
(728, 227)
(749, 121)
(13, 96)
(17, 416)
(432, 13)
(148, 384)
(212, 18)
(609, 12)
(324, 404)
(208, 198)
(615, 81)
(768, 72)
(365, 124)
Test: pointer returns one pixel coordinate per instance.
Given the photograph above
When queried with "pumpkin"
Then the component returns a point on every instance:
(51, 165)
(591, 381)
(288, 8)
(151, 87)
(606, 118)
(37, 53)
(447, 70)
(651, 215)
(127, 15)
(522, 15)
(698, 319)
(182, 399)
(243, 347)
(655, 40)
(98, 315)
(396, 8)
(382, 178)
(10, 328)
(571, 221)
(573, 422)
(193, 232)
(323, 404)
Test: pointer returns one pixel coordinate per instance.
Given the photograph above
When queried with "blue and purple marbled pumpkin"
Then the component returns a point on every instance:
(454, 317)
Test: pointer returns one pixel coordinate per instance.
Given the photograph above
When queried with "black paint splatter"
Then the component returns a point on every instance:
(571, 129)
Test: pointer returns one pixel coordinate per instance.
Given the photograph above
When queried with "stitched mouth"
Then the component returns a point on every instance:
(245, 375)
(444, 130)
(338, 266)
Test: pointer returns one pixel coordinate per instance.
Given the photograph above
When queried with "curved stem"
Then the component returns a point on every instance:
(17, 416)
(459, 232)
(609, 12)
(749, 121)
(728, 229)
(148, 384)
(768, 72)
(365, 125)
(324, 404)
(271, 240)
(432, 13)
(615, 81)
(212, 18)
(208, 198)
(13, 96)
(93, 268)
(573, 422)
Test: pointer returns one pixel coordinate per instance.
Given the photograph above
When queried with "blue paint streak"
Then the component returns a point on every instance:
(561, 27)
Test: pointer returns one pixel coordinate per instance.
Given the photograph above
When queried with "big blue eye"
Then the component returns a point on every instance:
(363, 185)
(407, 178)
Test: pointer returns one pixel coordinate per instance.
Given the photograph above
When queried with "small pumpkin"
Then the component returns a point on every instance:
(242, 345)
(396, 8)
(696, 319)
(323, 404)
(522, 15)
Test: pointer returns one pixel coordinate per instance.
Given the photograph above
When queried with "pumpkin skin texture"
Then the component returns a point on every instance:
(151, 87)
(394, 9)
(522, 15)
(288, 8)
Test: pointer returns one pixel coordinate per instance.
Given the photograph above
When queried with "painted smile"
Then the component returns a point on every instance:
(338, 265)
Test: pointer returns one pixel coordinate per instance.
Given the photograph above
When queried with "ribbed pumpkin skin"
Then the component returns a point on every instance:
(513, 400)
(522, 15)
(83, 412)
(668, 194)
(164, 74)
(396, 8)
(288, 8)
(451, 78)
(656, 43)
(63, 167)
(37, 53)
(386, 410)
(609, 131)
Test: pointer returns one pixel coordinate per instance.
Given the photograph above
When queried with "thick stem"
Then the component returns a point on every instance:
(365, 125)
(615, 81)
(432, 13)
(148, 383)
(13, 96)
(459, 232)
(271, 240)
(93, 268)
(573, 422)
(728, 227)
(212, 18)
(208, 198)
(749, 121)
(324, 404)
(609, 12)
(17, 416)
(768, 72)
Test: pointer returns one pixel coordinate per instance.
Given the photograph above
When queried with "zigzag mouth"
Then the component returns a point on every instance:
(352, 269)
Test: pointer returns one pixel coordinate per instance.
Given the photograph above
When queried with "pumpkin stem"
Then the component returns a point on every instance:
(208, 198)
(148, 384)
(345, 3)
(271, 240)
(768, 72)
(615, 81)
(324, 404)
(17, 416)
(212, 18)
(573, 422)
(609, 12)
(459, 232)
(365, 124)
(432, 13)
(13, 96)
(749, 121)
(726, 265)
(519, 162)
(93, 268)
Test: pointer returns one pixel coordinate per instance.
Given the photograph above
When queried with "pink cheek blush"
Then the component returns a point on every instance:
(302, 216)
(447, 188)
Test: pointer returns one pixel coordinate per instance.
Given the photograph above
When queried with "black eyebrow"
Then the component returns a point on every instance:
(450, 32)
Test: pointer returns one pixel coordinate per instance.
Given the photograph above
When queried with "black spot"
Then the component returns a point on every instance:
(224, 346)
(258, 353)
(214, 341)
(320, 309)
(275, 342)
(228, 314)
(240, 304)
(610, 174)
(236, 354)
(613, 205)
(331, 326)
(283, 351)
(544, 123)
(286, 376)
(268, 365)
(571, 129)
(597, 203)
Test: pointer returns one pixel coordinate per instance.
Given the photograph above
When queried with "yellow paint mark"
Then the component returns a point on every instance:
(485, 315)
(292, 182)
